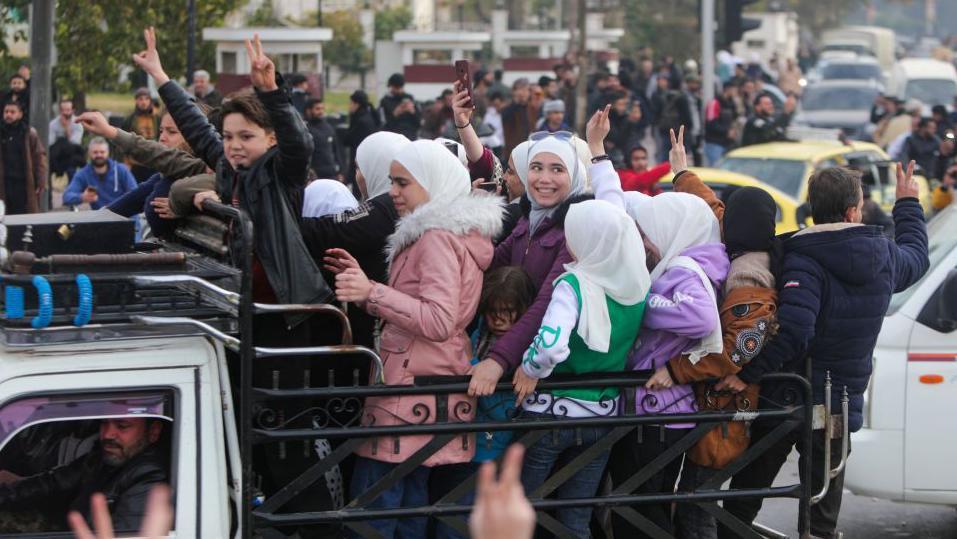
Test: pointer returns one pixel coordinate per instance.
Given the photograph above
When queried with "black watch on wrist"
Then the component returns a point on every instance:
(599, 158)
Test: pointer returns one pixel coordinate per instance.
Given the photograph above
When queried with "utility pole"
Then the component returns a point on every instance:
(319, 12)
(707, 55)
(41, 85)
(930, 17)
(581, 89)
(190, 40)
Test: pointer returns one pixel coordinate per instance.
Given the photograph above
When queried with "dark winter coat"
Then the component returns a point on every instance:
(405, 124)
(34, 162)
(325, 152)
(720, 119)
(924, 150)
(837, 281)
(543, 256)
(362, 123)
(270, 191)
(363, 232)
(760, 129)
(126, 487)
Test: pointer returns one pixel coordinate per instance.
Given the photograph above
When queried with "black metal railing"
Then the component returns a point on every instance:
(348, 434)
(326, 409)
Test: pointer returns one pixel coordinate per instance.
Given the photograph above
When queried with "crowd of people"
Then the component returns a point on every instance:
(507, 246)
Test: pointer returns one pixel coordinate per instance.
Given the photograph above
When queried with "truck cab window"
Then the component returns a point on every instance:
(56, 451)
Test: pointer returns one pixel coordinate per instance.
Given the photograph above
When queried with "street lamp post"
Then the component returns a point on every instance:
(707, 54)
(190, 40)
(41, 84)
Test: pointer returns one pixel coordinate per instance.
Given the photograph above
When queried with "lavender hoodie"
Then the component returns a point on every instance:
(677, 316)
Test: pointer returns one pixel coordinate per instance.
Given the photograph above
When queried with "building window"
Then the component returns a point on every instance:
(432, 57)
(228, 60)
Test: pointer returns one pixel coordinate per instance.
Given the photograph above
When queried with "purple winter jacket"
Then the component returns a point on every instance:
(543, 256)
(677, 316)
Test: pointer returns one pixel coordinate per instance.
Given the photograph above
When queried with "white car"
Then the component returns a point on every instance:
(906, 449)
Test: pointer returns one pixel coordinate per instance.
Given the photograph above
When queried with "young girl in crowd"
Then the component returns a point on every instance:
(506, 294)
(748, 320)
(682, 318)
(537, 244)
(639, 177)
(436, 256)
(590, 326)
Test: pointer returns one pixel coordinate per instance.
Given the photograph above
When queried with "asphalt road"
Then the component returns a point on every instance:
(863, 517)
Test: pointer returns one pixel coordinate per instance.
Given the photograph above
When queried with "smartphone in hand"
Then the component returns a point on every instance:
(464, 75)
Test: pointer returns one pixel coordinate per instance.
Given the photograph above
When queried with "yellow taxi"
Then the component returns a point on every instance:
(788, 167)
(721, 180)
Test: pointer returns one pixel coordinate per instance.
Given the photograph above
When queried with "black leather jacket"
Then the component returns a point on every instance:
(126, 487)
(270, 191)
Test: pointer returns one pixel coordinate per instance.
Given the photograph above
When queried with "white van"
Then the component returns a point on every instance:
(905, 451)
(873, 41)
(932, 82)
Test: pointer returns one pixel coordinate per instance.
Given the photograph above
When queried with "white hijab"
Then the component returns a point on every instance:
(374, 156)
(435, 168)
(327, 197)
(519, 157)
(609, 261)
(459, 149)
(675, 222)
(576, 171)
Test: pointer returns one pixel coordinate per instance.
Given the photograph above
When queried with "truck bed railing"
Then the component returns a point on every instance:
(213, 297)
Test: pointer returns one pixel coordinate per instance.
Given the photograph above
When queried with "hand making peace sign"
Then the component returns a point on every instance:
(261, 69)
(149, 59)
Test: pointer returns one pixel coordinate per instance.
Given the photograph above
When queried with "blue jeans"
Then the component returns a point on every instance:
(444, 479)
(713, 153)
(411, 491)
(553, 452)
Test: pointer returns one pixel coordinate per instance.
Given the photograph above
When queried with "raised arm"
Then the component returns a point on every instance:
(199, 133)
(910, 238)
(292, 137)
(605, 181)
(169, 162)
(462, 110)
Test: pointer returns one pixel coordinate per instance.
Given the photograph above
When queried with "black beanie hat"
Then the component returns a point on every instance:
(749, 220)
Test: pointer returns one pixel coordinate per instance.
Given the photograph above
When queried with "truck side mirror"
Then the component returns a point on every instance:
(947, 302)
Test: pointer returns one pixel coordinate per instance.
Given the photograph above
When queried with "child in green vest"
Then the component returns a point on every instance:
(591, 324)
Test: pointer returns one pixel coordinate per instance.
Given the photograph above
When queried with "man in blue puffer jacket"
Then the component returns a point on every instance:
(835, 285)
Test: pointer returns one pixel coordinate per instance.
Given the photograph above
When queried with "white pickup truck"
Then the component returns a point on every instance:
(139, 339)
(906, 449)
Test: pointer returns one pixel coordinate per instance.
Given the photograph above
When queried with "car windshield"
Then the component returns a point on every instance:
(941, 242)
(838, 98)
(931, 91)
(785, 174)
(851, 71)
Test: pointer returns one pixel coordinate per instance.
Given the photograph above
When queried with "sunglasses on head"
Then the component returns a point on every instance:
(565, 136)
(542, 135)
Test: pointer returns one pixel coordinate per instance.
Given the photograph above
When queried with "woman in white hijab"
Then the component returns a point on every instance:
(364, 229)
(327, 197)
(552, 176)
(440, 248)
(590, 326)
(681, 316)
(373, 158)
